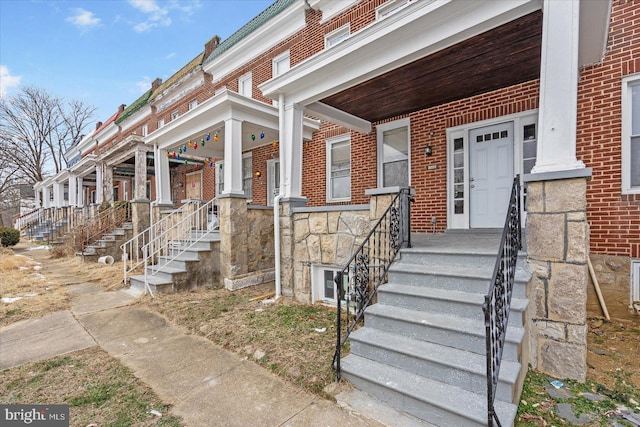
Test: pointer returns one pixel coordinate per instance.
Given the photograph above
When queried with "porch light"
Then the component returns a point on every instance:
(258, 174)
(428, 151)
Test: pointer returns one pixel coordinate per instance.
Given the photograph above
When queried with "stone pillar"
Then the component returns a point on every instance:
(140, 217)
(234, 256)
(107, 183)
(140, 180)
(288, 276)
(558, 249)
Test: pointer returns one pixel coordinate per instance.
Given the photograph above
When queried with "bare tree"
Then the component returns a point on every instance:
(37, 127)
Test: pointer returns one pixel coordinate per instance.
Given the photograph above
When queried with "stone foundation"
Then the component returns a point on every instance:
(614, 277)
(234, 260)
(558, 247)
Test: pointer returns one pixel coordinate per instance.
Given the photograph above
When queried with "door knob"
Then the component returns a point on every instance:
(473, 186)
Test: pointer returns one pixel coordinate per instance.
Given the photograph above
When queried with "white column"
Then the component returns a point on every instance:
(99, 192)
(140, 189)
(58, 194)
(79, 192)
(232, 157)
(558, 88)
(46, 197)
(163, 179)
(107, 183)
(73, 190)
(291, 151)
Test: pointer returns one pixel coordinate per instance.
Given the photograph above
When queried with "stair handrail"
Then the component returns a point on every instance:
(174, 241)
(358, 282)
(132, 255)
(27, 219)
(106, 221)
(497, 302)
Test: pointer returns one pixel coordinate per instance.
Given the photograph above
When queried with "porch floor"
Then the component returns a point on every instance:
(484, 241)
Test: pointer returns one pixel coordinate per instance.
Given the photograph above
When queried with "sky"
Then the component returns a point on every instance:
(107, 52)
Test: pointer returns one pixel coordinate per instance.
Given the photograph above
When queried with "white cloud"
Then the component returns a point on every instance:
(156, 16)
(144, 84)
(83, 19)
(171, 55)
(7, 81)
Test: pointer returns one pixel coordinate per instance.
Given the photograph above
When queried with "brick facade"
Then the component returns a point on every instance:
(614, 218)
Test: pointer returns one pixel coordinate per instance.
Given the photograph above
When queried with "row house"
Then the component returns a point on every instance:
(299, 129)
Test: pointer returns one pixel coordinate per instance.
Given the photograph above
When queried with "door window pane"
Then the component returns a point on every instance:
(395, 150)
(340, 170)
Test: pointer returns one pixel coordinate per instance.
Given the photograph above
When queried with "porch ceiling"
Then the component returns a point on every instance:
(501, 57)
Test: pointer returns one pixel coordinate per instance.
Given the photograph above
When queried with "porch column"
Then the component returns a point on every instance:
(107, 183)
(233, 157)
(291, 151)
(559, 75)
(58, 194)
(79, 192)
(73, 190)
(163, 179)
(557, 227)
(140, 180)
(46, 197)
(99, 190)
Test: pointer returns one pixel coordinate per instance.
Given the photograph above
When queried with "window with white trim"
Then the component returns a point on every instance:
(393, 154)
(280, 65)
(193, 104)
(336, 36)
(323, 284)
(244, 85)
(339, 168)
(390, 7)
(160, 123)
(631, 134)
(175, 115)
(247, 176)
(144, 130)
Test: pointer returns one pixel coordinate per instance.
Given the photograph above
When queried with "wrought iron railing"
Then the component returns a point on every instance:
(358, 282)
(105, 222)
(497, 302)
(48, 224)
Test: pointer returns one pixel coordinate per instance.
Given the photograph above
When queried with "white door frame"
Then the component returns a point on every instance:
(461, 220)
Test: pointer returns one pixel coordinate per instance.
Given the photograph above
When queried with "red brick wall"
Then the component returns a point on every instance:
(614, 218)
(430, 185)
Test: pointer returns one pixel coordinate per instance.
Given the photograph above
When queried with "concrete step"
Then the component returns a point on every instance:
(463, 278)
(456, 303)
(439, 362)
(433, 401)
(179, 261)
(443, 329)
(156, 284)
(164, 272)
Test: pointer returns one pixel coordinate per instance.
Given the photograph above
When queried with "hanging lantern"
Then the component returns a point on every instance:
(210, 164)
(175, 155)
(180, 150)
(202, 142)
(168, 154)
(184, 149)
(215, 137)
(274, 144)
(190, 144)
(195, 146)
(186, 163)
(178, 157)
(253, 137)
(221, 164)
(261, 135)
(208, 136)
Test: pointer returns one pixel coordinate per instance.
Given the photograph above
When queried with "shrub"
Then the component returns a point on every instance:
(9, 236)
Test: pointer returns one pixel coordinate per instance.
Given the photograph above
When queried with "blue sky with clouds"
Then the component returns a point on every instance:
(107, 52)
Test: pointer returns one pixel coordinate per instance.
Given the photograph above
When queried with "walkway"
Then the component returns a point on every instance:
(206, 384)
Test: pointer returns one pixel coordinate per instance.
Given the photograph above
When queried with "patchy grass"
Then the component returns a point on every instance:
(281, 337)
(39, 280)
(99, 390)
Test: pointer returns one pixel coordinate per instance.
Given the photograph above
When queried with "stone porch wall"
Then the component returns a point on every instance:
(260, 243)
(323, 236)
(614, 276)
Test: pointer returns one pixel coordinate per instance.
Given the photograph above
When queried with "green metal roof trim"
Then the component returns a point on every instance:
(191, 65)
(135, 106)
(250, 27)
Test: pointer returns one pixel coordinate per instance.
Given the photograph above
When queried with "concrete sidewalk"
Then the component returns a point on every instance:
(207, 385)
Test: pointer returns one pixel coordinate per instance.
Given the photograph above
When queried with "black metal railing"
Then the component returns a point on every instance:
(497, 302)
(357, 283)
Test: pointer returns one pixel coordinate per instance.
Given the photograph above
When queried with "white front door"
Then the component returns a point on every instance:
(490, 174)
(273, 180)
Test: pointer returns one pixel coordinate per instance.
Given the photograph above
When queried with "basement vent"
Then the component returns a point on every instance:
(635, 284)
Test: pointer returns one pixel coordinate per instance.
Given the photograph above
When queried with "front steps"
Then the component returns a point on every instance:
(109, 244)
(422, 349)
(197, 266)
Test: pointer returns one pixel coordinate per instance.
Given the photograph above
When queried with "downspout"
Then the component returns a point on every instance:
(276, 200)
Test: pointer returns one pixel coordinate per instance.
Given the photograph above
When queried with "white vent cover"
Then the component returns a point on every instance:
(635, 282)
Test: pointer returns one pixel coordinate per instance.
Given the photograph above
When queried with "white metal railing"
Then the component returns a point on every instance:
(169, 237)
(28, 219)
